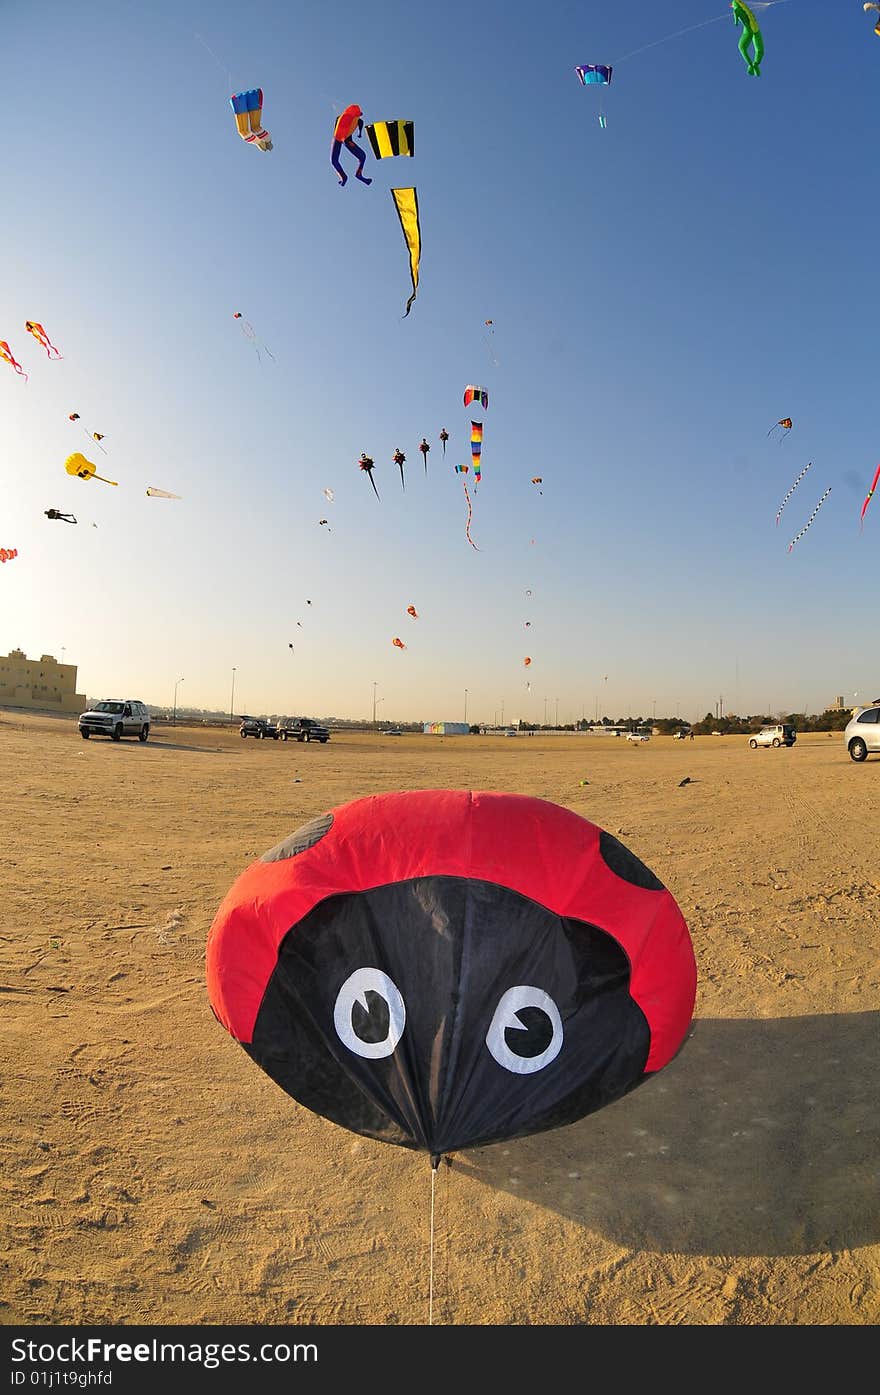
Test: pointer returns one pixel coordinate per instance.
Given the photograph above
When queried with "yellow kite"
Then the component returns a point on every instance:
(406, 201)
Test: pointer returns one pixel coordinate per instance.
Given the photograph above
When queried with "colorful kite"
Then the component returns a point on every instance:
(791, 491)
(526, 661)
(870, 491)
(406, 201)
(398, 643)
(866, 9)
(462, 470)
(7, 553)
(809, 520)
(751, 37)
(390, 138)
(538, 479)
(42, 338)
(325, 523)
(250, 333)
(161, 494)
(476, 449)
(573, 986)
(411, 610)
(596, 74)
(424, 448)
(328, 495)
(77, 464)
(247, 108)
(399, 459)
(367, 465)
(96, 436)
(476, 394)
(444, 437)
(351, 120)
(785, 423)
(7, 354)
(61, 517)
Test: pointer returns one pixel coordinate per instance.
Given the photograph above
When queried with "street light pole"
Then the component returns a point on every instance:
(176, 686)
(232, 700)
(557, 714)
(502, 711)
(374, 707)
(465, 704)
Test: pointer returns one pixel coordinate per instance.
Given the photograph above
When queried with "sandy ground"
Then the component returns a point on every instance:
(154, 1175)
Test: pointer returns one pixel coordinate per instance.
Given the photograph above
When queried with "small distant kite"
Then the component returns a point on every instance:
(444, 437)
(250, 333)
(538, 479)
(406, 201)
(476, 394)
(876, 472)
(809, 520)
(526, 661)
(7, 553)
(247, 108)
(42, 338)
(750, 38)
(325, 523)
(96, 436)
(7, 354)
(390, 138)
(476, 449)
(398, 643)
(161, 494)
(351, 120)
(368, 465)
(411, 610)
(596, 74)
(61, 517)
(83, 469)
(866, 9)
(785, 423)
(528, 624)
(424, 448)
(328, 495)
(791, 491)
(399, 459)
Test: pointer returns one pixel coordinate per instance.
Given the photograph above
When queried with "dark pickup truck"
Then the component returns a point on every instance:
(259, 727)
(303, 729)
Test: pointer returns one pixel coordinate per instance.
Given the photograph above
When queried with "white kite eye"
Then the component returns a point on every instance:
(525, 1034)
(369, 1015)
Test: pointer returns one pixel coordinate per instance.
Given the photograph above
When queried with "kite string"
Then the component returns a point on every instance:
(431, 1264)
(217, 61)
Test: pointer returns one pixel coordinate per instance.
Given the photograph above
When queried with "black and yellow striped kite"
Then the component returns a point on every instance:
(389, 138)
(406, 201)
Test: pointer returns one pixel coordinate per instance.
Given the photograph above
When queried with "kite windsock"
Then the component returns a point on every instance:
(476, 446)
(247, 107)
(561, 976)
(389, 138)
(406, 201)
(7, 354)
(476, 394)
(42, 338)
(161, 494)
(809, 520)
(868, 496)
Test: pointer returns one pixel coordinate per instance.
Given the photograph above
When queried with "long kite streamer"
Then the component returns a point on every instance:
(868, 496)
(406, 201)
(476, 449)
(462, 470)
(810, 519)
(791, 491)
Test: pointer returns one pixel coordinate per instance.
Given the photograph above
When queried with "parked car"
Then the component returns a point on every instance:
(637, 736)
(680, 735)
(782, 734)
(258, 727)
(394, 731)
(115, 717)
(303, 729)
(861, 735)
(511, 731)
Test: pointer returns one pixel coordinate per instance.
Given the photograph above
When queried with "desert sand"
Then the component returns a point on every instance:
(154, 1175)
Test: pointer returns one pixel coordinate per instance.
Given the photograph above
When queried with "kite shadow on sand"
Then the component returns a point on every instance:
(760, 1138)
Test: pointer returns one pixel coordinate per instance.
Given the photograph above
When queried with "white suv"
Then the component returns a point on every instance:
(637, 736)
(862, 732)
(115, 717)
(783, 734)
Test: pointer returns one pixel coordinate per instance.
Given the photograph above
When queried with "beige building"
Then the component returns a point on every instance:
(43, 685)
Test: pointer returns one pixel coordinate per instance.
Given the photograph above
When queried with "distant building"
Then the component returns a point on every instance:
(445, 728)
(42, 685)
(840, 704)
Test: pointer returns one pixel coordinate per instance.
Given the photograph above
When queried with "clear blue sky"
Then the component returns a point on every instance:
(662, 291)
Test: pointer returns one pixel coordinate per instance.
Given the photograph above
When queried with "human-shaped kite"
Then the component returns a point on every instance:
(351, 119)
(61, 517)
(367, 465)
(751, 37)
(399, 459)
(424, 448)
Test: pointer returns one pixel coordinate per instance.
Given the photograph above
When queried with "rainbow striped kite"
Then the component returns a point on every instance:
(476, 448)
